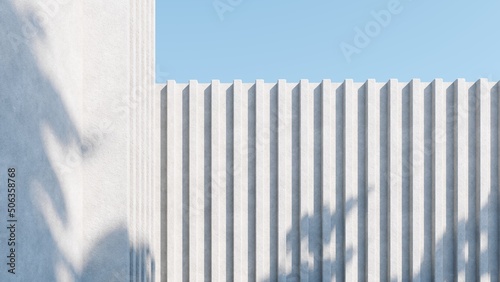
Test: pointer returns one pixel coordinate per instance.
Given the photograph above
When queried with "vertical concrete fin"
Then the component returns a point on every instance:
(351, 180)
(373, 171)
(241, 182)
(330, 211)
(484, 204)
(284, 116)
(417, 178)
(174, 181)
(306, 178)
(263, 181)
(218, 182)
(331, 181)
(439, 176)
(196, 183)
(395, 180)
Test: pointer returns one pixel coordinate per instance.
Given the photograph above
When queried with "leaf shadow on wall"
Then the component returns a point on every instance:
(34, 117)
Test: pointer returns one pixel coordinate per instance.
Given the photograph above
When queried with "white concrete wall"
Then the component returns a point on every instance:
(77, 123)
(330, 181)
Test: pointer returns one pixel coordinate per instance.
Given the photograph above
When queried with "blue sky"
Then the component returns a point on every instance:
(292, 40)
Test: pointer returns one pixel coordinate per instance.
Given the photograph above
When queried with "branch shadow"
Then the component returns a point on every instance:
(33, 116)
(29, 102)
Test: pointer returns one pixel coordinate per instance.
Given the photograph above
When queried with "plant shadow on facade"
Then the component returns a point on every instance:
(447, 245)
(30, 108)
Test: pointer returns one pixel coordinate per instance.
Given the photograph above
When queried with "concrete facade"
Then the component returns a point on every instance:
(78, 125)
(330, 181)
(114, 178)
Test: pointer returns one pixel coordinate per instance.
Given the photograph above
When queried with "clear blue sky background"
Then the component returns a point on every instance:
(291, 39)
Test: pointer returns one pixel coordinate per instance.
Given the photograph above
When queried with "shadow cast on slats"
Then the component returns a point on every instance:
(317, 237)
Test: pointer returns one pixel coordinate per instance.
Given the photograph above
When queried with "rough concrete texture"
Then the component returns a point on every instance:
(76, 109)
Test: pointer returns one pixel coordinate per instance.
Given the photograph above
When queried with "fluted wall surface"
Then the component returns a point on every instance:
(330, 181)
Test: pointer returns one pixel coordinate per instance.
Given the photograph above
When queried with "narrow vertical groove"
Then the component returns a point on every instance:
(230, 183)
(147, 165)
(135, 159)
(462, 213)
(284, 179)
(142, 162)
(206, 93)
(150, 202)
(329, 258)
(185, 184)
(362, 188)
(163, 166)
(293, 235)
(493, 231)
(373, 171)
(156, 167)
(417, 143)
(131, 193)
(439, 177)
(252, 184)
(155, 192)
(174, 182)
(241, 177)
(263, 182)
(351, 180)
(385, 265)
(405, 178)
(140, 158)
(218, 182)
(316, 229)
(196, 183)
(483, 179)
(497, 145)
(339, 217)
(306, 178)
(274, 180)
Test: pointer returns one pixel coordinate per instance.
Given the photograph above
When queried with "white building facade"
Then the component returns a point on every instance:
(115, 178)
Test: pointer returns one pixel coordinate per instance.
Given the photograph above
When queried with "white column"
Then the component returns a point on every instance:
(351, 180)
(174, 182)
(218, 181)
(439, 177)
(263, 144)
(417, 175)
(306, 178)
(373, 179)
(483, 178)
(196, 183)
(330, 214)
(395, 181)
(284, 179)
(241, 158)
(465, 215)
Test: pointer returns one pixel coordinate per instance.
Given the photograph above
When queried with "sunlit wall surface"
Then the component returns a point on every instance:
(331, 181)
